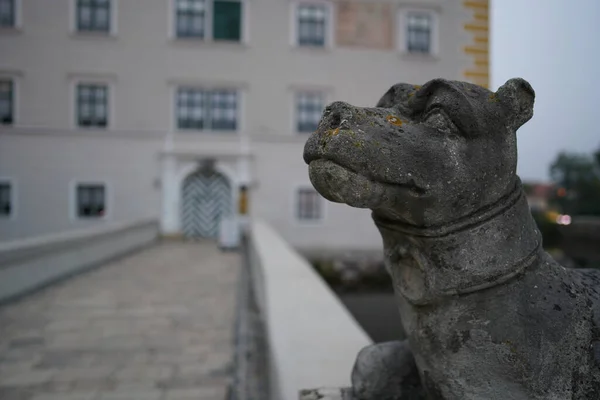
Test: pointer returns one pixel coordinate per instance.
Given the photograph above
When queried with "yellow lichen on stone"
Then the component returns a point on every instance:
(394, 120)
(332, 132)
(417, 87)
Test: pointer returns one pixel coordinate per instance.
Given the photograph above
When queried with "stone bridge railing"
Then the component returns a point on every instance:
(312, 338)
(29, 264)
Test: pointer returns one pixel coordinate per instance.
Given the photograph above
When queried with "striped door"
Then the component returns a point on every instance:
(206, 198)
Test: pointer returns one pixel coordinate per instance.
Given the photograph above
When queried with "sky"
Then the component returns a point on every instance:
(555, 46)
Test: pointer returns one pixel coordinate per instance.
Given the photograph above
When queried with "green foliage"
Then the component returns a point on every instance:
(528, 188)
(327, 271)
(579, 176)
(365, 280)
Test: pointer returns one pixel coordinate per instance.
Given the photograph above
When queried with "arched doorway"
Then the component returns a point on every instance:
(206, 199)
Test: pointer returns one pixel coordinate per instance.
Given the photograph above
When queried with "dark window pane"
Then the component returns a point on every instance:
(6, 102)
(92, 105)
(190, 18)
(419, 33)
(93, 15)
(5, 199)
(102, 19)
(227, 20)
(91, 200)
(309, 205)
(191, 109)
(199, 109)
(7, 13)
(223, 110)
(85, 18)
(312, 25)
(309, 109)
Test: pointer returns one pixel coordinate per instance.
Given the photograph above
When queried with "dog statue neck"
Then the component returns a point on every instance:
(482, 250)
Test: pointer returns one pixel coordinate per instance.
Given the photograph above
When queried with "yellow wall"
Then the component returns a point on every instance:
(478, 49)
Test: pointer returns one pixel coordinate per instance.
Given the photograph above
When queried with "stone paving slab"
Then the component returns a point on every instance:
(157, 325)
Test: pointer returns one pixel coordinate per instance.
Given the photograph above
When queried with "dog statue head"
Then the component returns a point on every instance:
(426, 155)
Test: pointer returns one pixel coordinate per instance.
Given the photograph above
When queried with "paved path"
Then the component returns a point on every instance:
(155, 325)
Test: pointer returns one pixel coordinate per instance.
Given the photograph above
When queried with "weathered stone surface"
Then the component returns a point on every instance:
(386, 371)
(327, 394)
(488, 314)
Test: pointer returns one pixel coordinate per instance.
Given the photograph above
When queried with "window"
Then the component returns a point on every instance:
(207, 109)
(312, 24)
(418, 33)
(91, 200)
(309, 204)
(6, 102)
(6, 206)
(309, 109)
(8, 13)
(223, 110)
(92, 105)
(190, 18)
(226, 18)
(93, 15)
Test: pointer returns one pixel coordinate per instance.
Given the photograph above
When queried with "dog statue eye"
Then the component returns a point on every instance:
(437, 119)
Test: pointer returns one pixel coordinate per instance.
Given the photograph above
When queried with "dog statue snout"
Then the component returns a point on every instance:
(337, 115)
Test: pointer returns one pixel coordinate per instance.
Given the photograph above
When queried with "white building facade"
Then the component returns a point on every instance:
(189, 111)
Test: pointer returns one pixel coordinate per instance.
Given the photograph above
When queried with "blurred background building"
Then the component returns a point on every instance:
(191, 111)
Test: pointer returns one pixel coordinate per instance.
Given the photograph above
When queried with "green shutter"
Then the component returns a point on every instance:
(227, 20)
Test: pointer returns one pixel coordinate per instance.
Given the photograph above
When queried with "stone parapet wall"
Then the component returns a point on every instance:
(312, 338)
(29, 264)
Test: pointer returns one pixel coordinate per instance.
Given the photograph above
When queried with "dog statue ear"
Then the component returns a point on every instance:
(396, 95)
(517, 96)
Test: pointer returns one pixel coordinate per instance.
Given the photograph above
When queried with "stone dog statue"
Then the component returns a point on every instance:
(488, 314)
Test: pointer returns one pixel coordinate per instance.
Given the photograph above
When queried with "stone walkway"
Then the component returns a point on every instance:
(155, 325)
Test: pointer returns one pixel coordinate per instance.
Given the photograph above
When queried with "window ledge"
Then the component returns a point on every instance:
(310, 223)
(191, 41)
(418, 57)
(313, 49)
(93, 129)
(92, 35)
(11, 30)
(198, 132)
